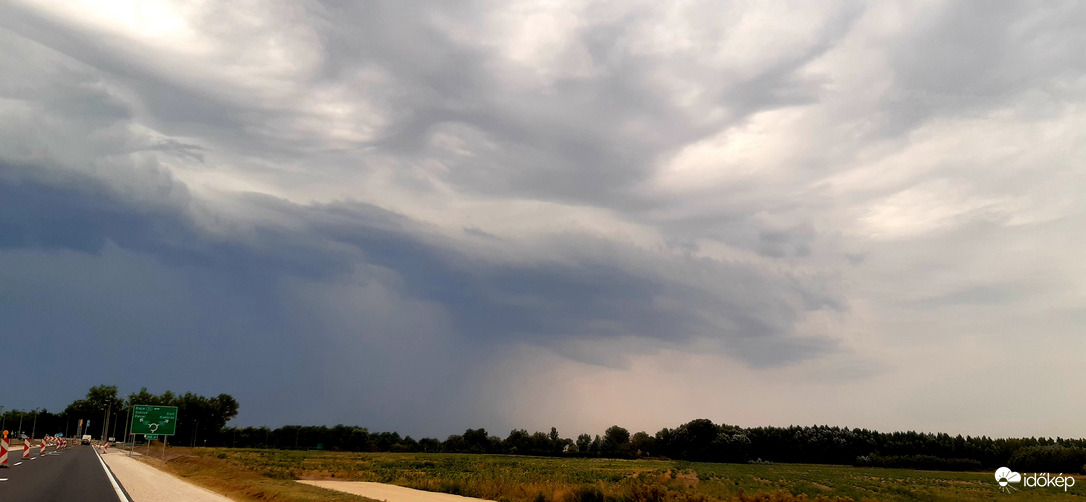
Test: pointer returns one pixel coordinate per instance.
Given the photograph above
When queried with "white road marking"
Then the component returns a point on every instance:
(18, 463)
(112, 480)
(3, 479)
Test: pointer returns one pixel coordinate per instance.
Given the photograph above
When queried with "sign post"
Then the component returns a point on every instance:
(154, 421)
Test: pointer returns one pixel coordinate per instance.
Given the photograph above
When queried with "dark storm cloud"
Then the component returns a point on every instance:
(350, 203)
(488, 300)
(571, 144)
(345, 303)
(158, 283)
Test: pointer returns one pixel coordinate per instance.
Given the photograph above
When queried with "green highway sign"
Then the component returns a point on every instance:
(151, 437)
(155, 420)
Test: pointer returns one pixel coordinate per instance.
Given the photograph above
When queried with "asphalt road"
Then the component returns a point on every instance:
(72, 474)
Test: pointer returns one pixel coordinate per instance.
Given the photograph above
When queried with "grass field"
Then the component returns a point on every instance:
(538, 479)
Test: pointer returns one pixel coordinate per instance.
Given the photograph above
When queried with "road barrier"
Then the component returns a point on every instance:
(4, 450)
(42, 450)
(26, 448)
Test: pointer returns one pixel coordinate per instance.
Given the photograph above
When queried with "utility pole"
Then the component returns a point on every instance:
(34, 430)
(21, 413)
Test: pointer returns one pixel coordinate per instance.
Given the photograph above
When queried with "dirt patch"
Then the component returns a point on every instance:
(389, 493)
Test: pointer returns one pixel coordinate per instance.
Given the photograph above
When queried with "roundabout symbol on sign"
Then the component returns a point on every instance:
(154, 426)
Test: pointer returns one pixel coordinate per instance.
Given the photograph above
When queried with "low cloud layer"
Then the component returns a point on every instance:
(432, 216)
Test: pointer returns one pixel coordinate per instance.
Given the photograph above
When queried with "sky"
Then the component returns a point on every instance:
(429, 216)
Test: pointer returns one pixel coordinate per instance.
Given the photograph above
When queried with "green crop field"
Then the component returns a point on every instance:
(541, 479)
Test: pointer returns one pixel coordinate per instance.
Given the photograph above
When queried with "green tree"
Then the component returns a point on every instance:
(584, 442)
(142, 397)
(518, 441)
(642, 443)
(616, 442)
(477, 440)
(223, 408)
(94, 406)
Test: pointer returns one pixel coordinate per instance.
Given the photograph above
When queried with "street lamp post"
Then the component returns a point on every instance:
(127, 424)
(34, 429)
(105, 420)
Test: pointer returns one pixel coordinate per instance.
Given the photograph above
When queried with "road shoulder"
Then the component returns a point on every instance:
(145, 483)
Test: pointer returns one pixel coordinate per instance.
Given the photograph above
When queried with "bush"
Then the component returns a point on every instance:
(786, 496)
(646, 493)
(928, 462)
(586, 493)
(1049, 458)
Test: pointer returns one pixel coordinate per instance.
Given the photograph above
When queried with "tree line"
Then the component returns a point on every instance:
(104, 415)
(704, 441)
(202, 422)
